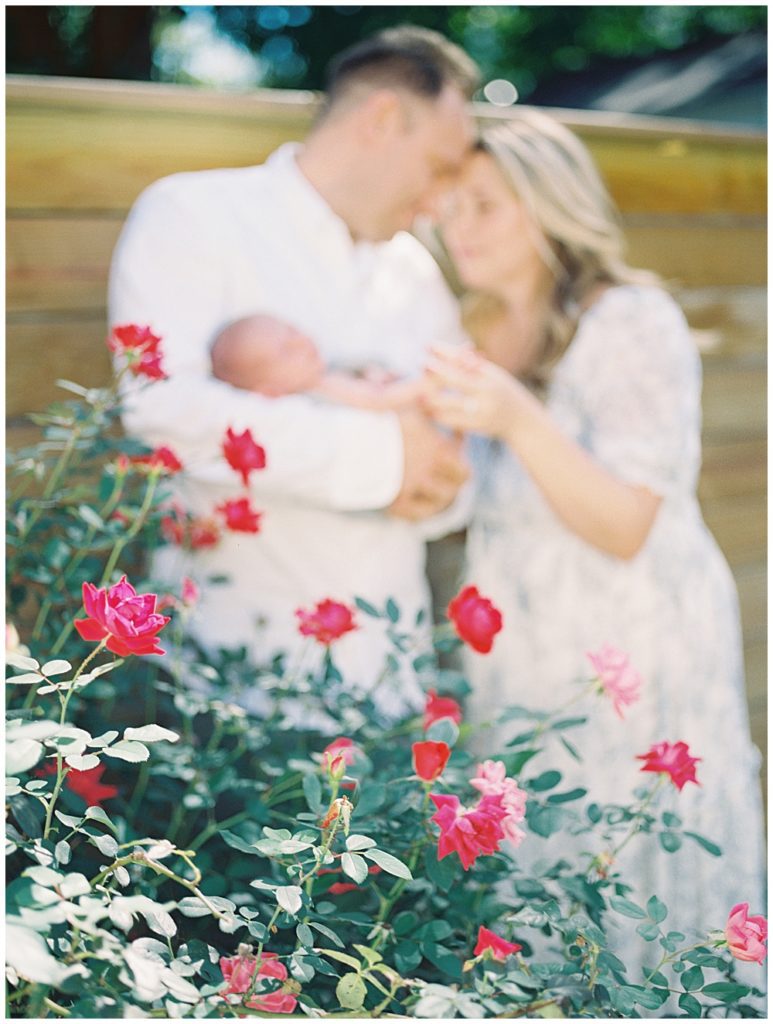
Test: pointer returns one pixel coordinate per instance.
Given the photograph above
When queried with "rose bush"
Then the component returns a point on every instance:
(172, 855)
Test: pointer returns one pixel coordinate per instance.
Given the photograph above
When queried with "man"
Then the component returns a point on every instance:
(317, 236)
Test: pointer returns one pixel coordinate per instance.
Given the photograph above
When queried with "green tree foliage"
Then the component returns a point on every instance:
(526, 44)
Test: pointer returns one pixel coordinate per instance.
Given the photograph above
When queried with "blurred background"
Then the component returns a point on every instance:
(671, 100)
(706, 62)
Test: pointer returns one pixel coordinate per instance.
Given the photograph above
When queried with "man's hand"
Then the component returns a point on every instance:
(434, 468)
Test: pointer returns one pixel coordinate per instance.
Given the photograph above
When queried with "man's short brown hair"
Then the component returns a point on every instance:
(413, 58)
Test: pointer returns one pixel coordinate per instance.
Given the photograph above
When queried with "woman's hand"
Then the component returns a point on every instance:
(464, 391)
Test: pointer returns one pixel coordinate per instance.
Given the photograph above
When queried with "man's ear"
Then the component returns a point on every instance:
(381, 117)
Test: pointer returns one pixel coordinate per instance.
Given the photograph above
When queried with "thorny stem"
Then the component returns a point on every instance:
(61, 772)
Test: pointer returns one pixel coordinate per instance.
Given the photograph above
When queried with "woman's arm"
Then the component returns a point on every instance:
(463, 391)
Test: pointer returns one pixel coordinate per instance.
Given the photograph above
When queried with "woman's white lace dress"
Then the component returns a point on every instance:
(628, 391)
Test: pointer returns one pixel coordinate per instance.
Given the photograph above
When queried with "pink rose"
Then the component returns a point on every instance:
(338, 755)
(436, 708)
(430, 759)
(475, 619)
(500, 948)
(746, 935)
(491, 780)
(129, 620)
(242, 453)
(672, 759)
(328, 621)
(617, 678)
(238, 972)
(469, 833)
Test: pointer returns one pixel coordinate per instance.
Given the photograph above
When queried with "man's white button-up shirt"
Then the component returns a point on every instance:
(202, 249)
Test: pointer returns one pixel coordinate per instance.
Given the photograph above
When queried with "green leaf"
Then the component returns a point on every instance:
(712, 848)
(356, 842)
(670, 841)
(97, 814)
(442, 958)
(627, 907)
(327, 932)
(393, 612)
(237, 843)
(726, 991)
(82, 762)
(150, 734)
(407, 957)
(388, 863)
(304, 935)
(62, 852)
(354, 866)
(372, 796)
(565, 798)
(107, 845)
(690, 1005)
(692, 979)
(366, 607)
(351, 991)
(648, 930)
(671, 820)
(343, 958)
(289, 898)
(405, 922)
(444, 730)
(547, 780)
(128, 750)
(657, 910)
(312, 790)
(21, 755)
(57, 667)
(90, 517)
(370, 956)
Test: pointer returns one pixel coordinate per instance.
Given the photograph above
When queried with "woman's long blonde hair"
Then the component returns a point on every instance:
(582, 244)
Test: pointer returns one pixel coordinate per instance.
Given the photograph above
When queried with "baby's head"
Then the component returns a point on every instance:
(264, 354)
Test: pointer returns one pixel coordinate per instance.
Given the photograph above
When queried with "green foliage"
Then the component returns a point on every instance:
(524, 44)
(225, 835)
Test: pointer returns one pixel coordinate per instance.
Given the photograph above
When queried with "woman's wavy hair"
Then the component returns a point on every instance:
(580, 236)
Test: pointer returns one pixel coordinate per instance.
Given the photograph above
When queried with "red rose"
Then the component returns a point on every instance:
(469, 833)
(240, 516)
(161, 458)
(500, 948)
(85, 784)
(339, 888)
(242, 453)
(128, 619)
(203, 533)
(238, 972)
(430, 759)
(475, 619)
(672, 759)
(440, 707)
(140, 347)
(328, 621)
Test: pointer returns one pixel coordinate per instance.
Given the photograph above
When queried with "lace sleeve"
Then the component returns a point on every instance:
(636, 378)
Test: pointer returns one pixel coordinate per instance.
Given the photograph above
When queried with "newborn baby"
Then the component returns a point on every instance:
(264, 354)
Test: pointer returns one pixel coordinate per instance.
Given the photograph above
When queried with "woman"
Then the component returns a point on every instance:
(587, 528)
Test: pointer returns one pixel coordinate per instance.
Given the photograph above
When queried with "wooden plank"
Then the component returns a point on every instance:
(740, 527)
(58, 264)
(727, 322)
(734, 402)
(38, 353)
(103, 157)
(697, 251)
(107, 141)
(752, 583)
(734, 469)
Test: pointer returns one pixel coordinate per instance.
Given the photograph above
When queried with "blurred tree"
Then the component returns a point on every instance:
(290, 45)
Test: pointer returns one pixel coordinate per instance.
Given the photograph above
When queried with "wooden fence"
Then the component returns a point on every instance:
(692, 197)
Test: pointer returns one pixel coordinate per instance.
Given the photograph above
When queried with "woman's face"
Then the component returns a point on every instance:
(489, 234)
